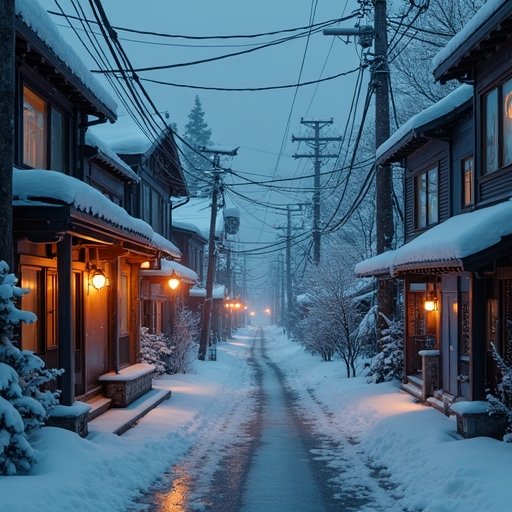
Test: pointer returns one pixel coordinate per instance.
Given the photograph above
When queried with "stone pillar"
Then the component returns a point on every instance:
(430, 369)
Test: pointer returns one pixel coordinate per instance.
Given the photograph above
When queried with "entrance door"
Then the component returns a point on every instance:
(450, 342)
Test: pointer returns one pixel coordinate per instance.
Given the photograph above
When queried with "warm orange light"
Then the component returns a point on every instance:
(268, 311)
(98, 279)
(431, 305)
(237, 305)
(145, 264)
(173, 282)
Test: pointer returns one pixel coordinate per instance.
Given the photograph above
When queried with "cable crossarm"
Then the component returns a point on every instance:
(250, 89)
(202, 38)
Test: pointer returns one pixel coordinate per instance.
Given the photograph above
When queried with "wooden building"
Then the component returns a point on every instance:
(456, 263)
(79, 238)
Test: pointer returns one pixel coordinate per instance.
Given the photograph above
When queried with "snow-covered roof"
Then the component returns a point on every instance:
(195, 216)
(413, 126)
(125, 136)
(168, 267)
(219, 291)
(481, 16)
(39, 184)
(447, 244)
(92, 140)
(39, 22)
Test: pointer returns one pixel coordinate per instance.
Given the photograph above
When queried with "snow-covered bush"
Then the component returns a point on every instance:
(184, 341)
(500, 404)
(388, 363)
(24, 402)
(155, 349)
(172, 354)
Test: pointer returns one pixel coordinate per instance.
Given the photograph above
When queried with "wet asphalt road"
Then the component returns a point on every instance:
(275, 471)
(272, 466)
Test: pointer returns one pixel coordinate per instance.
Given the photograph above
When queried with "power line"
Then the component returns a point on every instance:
(231, 36)
(250, 89)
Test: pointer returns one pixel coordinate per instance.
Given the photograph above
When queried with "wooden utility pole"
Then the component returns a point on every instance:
(210, 272)
(384, 179)
(317, 156)
(7, 59)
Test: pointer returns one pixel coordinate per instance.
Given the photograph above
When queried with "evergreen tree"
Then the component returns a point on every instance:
(24, 403)
(198, 135)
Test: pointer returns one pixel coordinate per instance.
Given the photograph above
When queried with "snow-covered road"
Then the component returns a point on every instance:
(282, 461)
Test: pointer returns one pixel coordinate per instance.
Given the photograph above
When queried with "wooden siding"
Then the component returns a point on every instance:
(462, 147)
(434, 153)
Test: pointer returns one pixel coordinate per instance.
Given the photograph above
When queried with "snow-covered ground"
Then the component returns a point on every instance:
(384, 444)
(412, 448)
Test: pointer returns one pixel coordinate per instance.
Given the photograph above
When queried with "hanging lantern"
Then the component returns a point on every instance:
(174, 281)
(98, 279)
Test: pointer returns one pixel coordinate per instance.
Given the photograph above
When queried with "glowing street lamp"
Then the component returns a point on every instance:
(174, 281)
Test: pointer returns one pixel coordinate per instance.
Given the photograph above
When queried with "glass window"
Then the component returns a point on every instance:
(491, 131)
(34, 130)
(427, 198)
(467, 181)
(432, 195)
(58, 147)
(51, 309)
(507, 123)
(30, 279)
(124, 304)
(421, 201)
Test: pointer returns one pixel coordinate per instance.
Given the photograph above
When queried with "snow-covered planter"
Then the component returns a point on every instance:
(25, 404)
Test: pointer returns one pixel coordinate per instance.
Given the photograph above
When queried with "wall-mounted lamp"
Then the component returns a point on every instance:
(98, 278)
(431, 303)
(174, 281)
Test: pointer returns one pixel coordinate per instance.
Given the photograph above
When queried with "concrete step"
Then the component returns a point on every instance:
(99, 405)
(413, 390)
(415, 380)
(119, 420)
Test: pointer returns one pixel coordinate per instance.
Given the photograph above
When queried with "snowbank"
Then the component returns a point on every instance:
(414, 448)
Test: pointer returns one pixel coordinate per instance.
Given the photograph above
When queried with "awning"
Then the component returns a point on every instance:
(77, 205)
(219, 291)
(168, 267)
(456, 244)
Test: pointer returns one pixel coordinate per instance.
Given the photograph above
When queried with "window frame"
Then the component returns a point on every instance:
(464, 203)
(424, 175)
(500, 126)
(52, 106)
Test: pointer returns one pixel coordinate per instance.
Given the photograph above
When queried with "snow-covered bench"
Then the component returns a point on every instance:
(127, 385)
(473, 420)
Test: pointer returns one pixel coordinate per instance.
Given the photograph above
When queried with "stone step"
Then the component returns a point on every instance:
(413, 390)
(99, 405)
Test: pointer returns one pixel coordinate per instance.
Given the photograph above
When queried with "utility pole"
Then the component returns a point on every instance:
(289, 290)
(384, 180)
(7, 56)
(210, 272)
(317, 156)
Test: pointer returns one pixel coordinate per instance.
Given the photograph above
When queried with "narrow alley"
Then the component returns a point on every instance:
(279, 464)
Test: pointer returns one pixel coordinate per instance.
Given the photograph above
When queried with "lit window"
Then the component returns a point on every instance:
(467, 182)
(497, 128)
(34, 130)
(30, 279)
(44, 133)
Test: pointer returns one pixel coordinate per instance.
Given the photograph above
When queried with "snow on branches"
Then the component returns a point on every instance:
(24, 402)
(500, 404)
(388, 363)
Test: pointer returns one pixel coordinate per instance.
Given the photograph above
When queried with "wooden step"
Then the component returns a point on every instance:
(413, 390)
(415, 380)
(99, 404)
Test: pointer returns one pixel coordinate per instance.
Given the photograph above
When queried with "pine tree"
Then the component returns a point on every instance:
(198, 135)
(388, 364)
(155, 349)
(24, 404)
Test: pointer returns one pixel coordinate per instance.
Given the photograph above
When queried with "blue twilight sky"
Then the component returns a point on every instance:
(254, 121)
